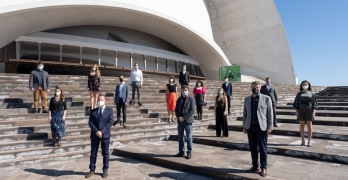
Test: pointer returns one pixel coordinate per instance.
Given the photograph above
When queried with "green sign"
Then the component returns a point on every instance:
(232, 72)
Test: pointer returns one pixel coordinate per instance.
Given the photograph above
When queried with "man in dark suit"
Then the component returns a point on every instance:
(185, 107)
(39, 84)
(100, 122)
(121, 99)
(270, 91)
(227, 86)
(184, 76)
(257, 122)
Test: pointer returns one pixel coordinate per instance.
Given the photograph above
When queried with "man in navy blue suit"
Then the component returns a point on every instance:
(227, 86)
(121, 99)
(100, 122)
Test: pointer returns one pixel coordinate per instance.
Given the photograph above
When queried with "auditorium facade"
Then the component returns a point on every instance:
(161, 35)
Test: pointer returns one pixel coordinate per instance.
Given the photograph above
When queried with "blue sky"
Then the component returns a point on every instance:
(317, 31)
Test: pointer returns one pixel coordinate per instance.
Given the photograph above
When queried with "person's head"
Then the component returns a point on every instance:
(184, 67)
(121, 78)
(221, 92)
(101, 100)
(59, 92)
(268, 81)
(255, 87)
(199, 83)
(171, 79)
(95, 70)
(136, 65)
(184, 91)
(226, 78)
(305, 85)
(40, 66)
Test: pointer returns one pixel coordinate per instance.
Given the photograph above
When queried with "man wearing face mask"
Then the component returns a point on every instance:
(39, 84)
(100, 122)
(185, 108)
(270, 91)
(184, 76)
(121, 99)
(258, 123)
(136, 78)
(227, 86)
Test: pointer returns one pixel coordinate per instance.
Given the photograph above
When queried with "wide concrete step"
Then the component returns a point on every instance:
(332, 100)
(319, 108)
(327, 103)
(328, 113)
(323, 150)
(229, 163)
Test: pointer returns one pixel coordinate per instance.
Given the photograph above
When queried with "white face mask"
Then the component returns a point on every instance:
(305, 87)
(171, 80)
(226, 80)
(184, 93)
(94, 69)
(136, 67)
(101, 103)
(198, 84)
(57, 93)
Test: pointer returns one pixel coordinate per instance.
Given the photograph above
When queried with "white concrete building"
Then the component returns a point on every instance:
(159, 35)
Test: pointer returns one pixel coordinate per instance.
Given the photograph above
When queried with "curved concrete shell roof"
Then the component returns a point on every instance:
(174, 21)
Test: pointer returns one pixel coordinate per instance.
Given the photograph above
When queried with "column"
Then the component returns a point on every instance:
(194, 70)
(18, 50)
(61, 53)
(156, 61)
(144, 57)
(80, 55)
(167, 68)
(115, 58)
(39, 55)
(131, 60)
(176, 67)
(99, 50)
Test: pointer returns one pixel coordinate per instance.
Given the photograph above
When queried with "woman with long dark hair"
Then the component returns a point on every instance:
(199, 94)
(56, 116)
(305, 104)
(220, 110)
(94, 85)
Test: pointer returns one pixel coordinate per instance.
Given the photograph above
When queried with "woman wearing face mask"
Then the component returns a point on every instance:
(220, 110)
(199, 94)
(56, 116)
(171, 96)
(305, 105)
(94, 85)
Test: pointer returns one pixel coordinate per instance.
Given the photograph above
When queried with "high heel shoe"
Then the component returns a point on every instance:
(54, 143)
(303, 143)
(58, 143)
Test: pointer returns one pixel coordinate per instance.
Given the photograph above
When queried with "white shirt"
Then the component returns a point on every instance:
(136, 75)
(183, 72)
(268, 87)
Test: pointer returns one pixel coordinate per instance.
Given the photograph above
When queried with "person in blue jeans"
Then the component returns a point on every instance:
(185, 108)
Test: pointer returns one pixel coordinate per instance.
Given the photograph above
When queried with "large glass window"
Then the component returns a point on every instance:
(90, 56)
(71, 54)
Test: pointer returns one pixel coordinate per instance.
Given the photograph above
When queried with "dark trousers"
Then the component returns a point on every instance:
(199, 109)
(229, 103)
(258, 138)
(122, 105)
(136, 87)
(274, 114)
(95, 141)
(221, 122)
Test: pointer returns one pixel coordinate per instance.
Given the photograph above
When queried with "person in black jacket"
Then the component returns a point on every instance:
(227, 86)
(185, 108)
(270, 91)
(184, 76)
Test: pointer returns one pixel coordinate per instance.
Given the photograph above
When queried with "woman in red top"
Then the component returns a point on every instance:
(199, 94)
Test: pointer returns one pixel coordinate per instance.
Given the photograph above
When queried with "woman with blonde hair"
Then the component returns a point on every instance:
(171, 97)
(220, 110)
(94, 85)
(56, 116)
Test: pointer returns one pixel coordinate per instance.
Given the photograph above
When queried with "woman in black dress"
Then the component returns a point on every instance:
(56, 116)
(220, 110)
(305, 105)
(94, 85)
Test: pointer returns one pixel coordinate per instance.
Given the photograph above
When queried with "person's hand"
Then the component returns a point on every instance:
(214, 112)
(276, 103)
(244, 131)
(181, 119)
(203, 100)
(48, 90)
(49, 118)
(99, 88)
(297, 114)
(99, 134)
(114, 103)
(63, 118)
(313, 115)
(225, 113)
(140, 86)
(126, 104)
(88, 89)
(269, 131)
(32, 90)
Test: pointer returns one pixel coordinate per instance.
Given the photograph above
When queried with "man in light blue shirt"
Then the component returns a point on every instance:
(121, 99)
(136, 78)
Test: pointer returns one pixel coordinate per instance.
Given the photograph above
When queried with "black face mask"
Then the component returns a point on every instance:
(121, 79)
(255, 91)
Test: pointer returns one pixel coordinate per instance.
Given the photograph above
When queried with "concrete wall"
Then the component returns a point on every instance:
(251, 34)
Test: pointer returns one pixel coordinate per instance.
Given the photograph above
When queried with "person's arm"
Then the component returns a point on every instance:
(64, 105)
(49, 110)
(91, 125)
(177, 113)
(296, 102)
(269, 114)
(275, 95)
(141, 78)
(99, 83)
(226, 105)
(88, 82)
(245, 113)
(31, 81)
(191, 111)
(116, 92)
(314, 103)
(180, 78)
(127, 94)
(188, 76)
(109, 123)
(204, 93)
(48, 82)
(231, 90)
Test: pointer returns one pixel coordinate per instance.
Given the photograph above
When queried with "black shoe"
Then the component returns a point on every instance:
(140, 104)
(90, 174)
(115, 123)
(124, 125)
(132, 102)
(179, 155)
(105, 174)
(36, 111)
(229, 112)
(275, 125)
(188, 156)
(44, 111)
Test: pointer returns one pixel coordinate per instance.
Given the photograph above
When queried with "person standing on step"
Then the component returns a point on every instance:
(94, 85)
(100, 122)
(136, 78)
(171, 97)
(184, 76)
(185, 108)
(220, 110)
(121, 101)
(258, 123)
(305, 104)
(56, 116)
(199, 93)
(227, 86)
(270, 91)
(39, 84)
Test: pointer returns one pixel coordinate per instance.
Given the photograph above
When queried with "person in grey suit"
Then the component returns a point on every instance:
(39, 84)
(270, 91)
(258, 123)
(185, 108)
(121, 99)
